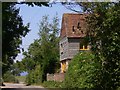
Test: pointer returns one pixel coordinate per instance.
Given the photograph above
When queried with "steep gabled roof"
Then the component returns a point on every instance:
(73, 25)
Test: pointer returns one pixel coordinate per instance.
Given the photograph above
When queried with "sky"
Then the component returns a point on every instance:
(33, 15)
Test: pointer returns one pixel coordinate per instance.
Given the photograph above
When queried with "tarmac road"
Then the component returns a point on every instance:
(20, 86)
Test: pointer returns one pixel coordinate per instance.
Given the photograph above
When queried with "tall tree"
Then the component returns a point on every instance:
(104, 30)
(49, 44)
(44, 52)
(13, 30)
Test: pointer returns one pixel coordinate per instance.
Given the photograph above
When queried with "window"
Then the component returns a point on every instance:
(62, 52)
(81, 45)
(61, 45)
(78, 26)
(82, 32)
(73, 29)
(84, 45)
(61, 49)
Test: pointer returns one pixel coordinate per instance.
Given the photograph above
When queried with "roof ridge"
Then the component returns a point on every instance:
(73, 13)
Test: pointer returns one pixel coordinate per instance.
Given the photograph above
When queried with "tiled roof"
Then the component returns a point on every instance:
(73, 25)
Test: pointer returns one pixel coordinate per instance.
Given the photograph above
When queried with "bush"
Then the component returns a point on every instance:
(9, 77)
(34, 76)
(83, 71)
(52, 84)
(21, 78)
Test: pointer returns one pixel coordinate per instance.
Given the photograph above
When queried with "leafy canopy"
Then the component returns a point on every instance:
(83, 71)
(13, 30)
(43, 54)
(104, 33)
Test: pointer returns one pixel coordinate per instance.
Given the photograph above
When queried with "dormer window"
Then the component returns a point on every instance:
(82, 32)
(73, 29)
(78, 26)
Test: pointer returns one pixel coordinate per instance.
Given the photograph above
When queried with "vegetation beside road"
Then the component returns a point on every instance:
(83, 71)
(9, 77)
(13, 32)
(42, 56)
(21, 78)
(53, 84)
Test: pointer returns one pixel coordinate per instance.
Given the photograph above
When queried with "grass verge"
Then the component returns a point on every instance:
(51, 84)
(21, 78)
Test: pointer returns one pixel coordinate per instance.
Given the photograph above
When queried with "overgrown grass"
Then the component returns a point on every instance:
(21, 78)
(52, 84)
(9, 77)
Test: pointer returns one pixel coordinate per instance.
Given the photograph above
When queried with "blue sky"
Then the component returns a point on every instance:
(33, 15)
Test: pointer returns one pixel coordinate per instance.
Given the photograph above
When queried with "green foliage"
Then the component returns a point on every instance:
(118, 88)
(49, 44)
(52, 84)
(34, 76)
(21, 78)
(9, 77)
(16, 68)
(83, 71)
(27, 64)
(13, 30)
(104, 27)
(43, 53)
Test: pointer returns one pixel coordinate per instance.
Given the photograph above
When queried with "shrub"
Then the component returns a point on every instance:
(52, 84)
(34, 76)
(9, 77)
(21, 78)
(83, 71)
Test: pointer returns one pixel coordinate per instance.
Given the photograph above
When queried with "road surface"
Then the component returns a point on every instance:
(20, 86)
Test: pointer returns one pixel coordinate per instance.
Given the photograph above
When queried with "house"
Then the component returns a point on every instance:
(73, 31)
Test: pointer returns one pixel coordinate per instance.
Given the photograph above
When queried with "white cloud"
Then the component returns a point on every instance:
(21, 0)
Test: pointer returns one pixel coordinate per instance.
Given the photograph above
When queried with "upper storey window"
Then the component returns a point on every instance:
(78, 26)
(73, 29)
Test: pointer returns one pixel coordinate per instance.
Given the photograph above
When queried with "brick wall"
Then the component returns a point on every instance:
(56, 77)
